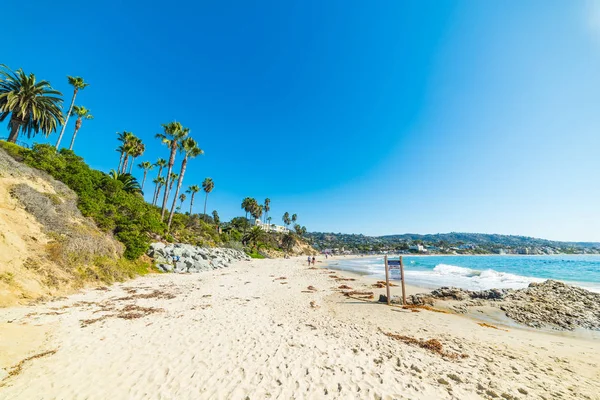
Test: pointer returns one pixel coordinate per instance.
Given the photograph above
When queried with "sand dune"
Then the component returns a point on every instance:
(257, 331)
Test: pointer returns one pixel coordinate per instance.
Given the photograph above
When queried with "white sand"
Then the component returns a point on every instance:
(240, 333)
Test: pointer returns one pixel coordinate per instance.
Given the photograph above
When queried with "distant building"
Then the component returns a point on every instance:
(418, 247)
(269, 227)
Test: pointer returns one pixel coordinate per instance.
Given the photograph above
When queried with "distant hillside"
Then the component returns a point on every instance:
(448, 243)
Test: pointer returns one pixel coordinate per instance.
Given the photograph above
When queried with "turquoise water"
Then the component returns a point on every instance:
(485, 272)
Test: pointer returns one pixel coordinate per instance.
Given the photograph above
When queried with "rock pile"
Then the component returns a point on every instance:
(182, 258)
(550, 304)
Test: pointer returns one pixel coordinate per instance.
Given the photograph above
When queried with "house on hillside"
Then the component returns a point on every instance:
(269, 227)
(418, 248)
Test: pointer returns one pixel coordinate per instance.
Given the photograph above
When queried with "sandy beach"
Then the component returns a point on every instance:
(275, 329)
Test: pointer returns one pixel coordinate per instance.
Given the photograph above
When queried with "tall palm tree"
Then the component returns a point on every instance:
(208, 185)
(123, 137)
(33, 107)
(182, 198)
(173, 133)
(190, 149)
(146, 166)
(132, 147)
(81, 112)
(267, 207)
(294, 217)
(137, 150)
(193, 190)
(78, 84)
(247, 205)
(159, 182)
(286, 218)
(257, 211)
(160, 163)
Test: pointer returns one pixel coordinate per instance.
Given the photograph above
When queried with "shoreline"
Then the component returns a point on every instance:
(274, 328)
(592, 286)
(478, 314)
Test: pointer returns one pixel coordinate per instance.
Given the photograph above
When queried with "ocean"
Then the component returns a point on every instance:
(483, 272)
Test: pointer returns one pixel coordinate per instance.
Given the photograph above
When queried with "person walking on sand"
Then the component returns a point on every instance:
(309, 261)
(313, 260)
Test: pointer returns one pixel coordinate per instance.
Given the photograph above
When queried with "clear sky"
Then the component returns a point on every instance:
(374, 117)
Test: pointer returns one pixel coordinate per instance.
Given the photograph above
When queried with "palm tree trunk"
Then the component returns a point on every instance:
(144, 180)
(179, 182)
(158, 189)
(124, 168)
(73, 138)
(192, 203)
(121, 160)
(62, 131)
(205, 199)
(14, 130)
(166, 196)
(131, 165)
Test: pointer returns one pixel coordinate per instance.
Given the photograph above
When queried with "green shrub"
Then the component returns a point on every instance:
(256, 255)
(14, 150)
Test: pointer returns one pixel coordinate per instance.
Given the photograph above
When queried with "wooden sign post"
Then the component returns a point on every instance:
(394, 264)
(402, 280)
(387, 280)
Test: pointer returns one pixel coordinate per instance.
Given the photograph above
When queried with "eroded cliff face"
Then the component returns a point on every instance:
(47, 247)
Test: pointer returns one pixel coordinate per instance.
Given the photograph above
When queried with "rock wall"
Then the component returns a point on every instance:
(181, 258)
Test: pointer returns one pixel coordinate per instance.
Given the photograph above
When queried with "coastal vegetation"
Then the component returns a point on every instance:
(115, 200)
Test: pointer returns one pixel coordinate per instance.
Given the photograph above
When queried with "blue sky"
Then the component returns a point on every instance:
(361, 117)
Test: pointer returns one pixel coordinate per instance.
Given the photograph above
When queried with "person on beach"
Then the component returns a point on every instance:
(309, 261)
(313, 260)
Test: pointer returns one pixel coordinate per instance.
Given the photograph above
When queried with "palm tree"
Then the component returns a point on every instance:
(267, 207)
(254, 238)
(269, 221)
(286, 218)
(247, 205)
(294, 218)
(190, 149)
(182, 198)
(130, 184)
(32, 106)
(78, 84)
(132, 147)
(193, 190)
(146, 166)
(174, 132)
(137, 150)
(159, 182)
(123, 137)
(257, 211)
(208, 185)
(81, 113)
(160, 163)
(216, 218)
